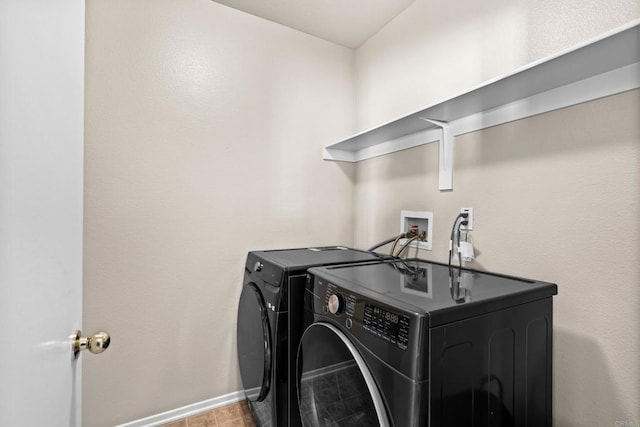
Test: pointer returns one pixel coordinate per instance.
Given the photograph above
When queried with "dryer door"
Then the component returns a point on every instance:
(335, 386)
(254, 343)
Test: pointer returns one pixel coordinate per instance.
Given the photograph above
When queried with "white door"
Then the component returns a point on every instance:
(41, 165)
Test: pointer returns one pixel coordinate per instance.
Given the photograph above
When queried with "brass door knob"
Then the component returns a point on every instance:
(96, 343)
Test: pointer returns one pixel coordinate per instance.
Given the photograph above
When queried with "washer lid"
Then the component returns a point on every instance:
(434, 290)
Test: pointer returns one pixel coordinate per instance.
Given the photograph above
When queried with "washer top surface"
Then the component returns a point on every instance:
(434, 290)
(303, 258)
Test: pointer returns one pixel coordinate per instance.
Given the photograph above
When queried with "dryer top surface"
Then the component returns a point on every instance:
(434, 290)
(303, 258)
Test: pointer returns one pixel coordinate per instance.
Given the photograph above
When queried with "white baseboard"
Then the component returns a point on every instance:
(186, 411)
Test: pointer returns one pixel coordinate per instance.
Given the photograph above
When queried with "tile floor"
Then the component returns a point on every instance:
(236, 414)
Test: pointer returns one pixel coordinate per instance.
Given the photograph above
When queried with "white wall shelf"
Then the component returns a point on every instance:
(605, 66)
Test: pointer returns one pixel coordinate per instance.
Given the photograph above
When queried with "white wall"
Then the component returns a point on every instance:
(436, 49)
(555, 196)
(41, 130)
(204, 129)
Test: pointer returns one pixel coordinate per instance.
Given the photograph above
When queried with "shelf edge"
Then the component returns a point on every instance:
(606, 84)
(398, 144)
(633, 25)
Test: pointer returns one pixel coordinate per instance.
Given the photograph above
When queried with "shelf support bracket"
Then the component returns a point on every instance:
(445, 154)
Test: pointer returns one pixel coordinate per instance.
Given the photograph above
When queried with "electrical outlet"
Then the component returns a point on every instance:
(424, 222)
(469, 212)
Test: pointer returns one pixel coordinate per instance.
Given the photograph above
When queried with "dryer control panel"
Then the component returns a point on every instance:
(370, 316)
(387, 325)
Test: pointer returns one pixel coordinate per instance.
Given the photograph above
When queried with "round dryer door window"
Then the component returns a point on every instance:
(254, 343)
(335, 388)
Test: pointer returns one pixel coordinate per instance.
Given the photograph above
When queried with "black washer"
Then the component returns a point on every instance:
(270, 322)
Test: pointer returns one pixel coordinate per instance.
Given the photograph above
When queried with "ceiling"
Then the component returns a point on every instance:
(346, 22)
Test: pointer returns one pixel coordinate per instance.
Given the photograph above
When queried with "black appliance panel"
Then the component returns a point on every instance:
(259, 269)
(494, 369)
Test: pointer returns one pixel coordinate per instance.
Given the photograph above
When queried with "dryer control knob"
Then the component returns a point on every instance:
(336, 304)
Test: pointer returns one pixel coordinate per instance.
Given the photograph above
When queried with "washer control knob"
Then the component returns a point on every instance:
(336, 304)
(257, 266)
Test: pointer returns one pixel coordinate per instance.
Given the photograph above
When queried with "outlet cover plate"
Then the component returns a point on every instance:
(469, 226)
(424, 220)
